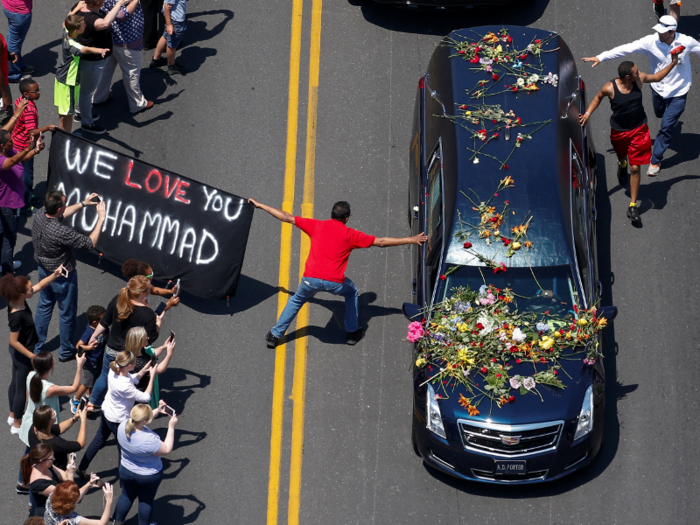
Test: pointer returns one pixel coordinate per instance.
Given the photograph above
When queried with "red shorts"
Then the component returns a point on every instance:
(635, 144)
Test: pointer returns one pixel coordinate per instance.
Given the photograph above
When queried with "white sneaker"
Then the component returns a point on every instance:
(15, 430)
(16, 264)
(653, 170)
(10, 420)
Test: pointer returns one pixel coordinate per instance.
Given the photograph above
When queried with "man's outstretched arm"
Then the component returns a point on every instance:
(279, 214)
(383, 242)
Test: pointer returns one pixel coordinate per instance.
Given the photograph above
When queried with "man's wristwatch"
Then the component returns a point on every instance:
(82, 203)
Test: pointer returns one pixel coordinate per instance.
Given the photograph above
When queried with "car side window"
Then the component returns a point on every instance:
(579, 224)
(434, 199)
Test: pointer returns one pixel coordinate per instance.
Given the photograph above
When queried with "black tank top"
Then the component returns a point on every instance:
(628, 111)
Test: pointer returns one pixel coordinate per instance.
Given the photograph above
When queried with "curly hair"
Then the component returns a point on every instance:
(11, 287)
(64, 497)
(132, 268)
(95, 313)
(35, 520)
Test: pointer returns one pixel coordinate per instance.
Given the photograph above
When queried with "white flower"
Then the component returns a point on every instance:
(521, 82)
(515, 382)
(519, 336)
(476, 160)
(533, 79)
(529, 383)
(488, 323)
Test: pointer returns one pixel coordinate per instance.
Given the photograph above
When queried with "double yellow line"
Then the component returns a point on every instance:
(307, 209)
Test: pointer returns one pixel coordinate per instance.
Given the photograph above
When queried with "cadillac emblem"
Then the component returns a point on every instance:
(510, 440)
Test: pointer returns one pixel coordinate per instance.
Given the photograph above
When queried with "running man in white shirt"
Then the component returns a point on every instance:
(668, 95)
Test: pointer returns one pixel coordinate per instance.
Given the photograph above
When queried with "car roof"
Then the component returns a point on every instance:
(540, 167)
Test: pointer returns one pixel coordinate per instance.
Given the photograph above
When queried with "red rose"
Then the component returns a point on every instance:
(494, 360)
(511, 399)
(477, 49)
(518, 361)
(494, 219)
(555, 372)
(506, 241)
(467, 245)
(462, 51)
(443, 277)
(514, 89)
(507, 202)
(505, 166)
(495, 76)
(495, 194)
(498, 375)
(518, 121)
(538, 41)
(474, 60)
(523, 56)
(495, 121)
(495, 135)
(484, 370)
(480, 326)
(509, 39)
(463, 106)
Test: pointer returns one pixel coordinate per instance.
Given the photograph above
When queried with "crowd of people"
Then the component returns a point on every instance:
(116, 376)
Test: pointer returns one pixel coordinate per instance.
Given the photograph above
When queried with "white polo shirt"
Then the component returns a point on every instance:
(677, 83)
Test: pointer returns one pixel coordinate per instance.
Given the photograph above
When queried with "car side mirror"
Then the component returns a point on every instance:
(411, 311)
(607, 312)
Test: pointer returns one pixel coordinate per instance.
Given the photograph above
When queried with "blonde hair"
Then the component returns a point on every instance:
(136, 339)
(139, 414)
(123, 359)
(137, 285)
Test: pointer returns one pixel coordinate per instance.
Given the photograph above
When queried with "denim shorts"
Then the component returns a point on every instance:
(175, 39)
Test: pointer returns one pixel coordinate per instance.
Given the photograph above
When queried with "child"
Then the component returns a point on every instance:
(94, 352)
(175, 12)
(25, 127)
(67, 87)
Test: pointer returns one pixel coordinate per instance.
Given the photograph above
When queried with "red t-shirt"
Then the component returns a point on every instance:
(331, 244)
(27, 121)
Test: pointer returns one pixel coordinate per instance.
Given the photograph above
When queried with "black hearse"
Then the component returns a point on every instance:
(555, 174)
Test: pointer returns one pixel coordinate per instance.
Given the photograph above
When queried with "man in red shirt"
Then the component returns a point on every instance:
(331, 244)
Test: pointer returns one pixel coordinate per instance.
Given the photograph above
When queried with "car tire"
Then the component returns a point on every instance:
(413, 436)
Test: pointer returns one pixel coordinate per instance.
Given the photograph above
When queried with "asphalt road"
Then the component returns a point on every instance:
(340, 438)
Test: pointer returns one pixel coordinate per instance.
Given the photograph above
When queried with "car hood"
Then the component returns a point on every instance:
(555, 404)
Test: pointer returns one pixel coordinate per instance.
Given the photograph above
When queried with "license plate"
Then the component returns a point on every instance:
(514, 467)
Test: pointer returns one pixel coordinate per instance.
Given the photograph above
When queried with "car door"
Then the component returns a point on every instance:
(434, 223)
(580, 218)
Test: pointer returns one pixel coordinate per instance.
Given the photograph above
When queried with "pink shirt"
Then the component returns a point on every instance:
(18, 6)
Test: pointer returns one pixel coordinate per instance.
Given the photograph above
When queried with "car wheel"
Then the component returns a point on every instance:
(413, 436)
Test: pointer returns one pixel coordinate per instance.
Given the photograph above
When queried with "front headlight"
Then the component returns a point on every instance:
(433, 416)
(585, 418)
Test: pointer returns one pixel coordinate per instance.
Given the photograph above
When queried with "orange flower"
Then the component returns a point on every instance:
(507, 181)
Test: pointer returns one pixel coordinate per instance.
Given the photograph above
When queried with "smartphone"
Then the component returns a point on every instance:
(64, 272)
(80, 352)
(97, 199)
(72, 456)
(160, 309)
(81, 406)
(154, 360)
(168, 410)
(177, 285)
(172, 337)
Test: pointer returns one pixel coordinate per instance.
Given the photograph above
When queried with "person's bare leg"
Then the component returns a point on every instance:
(675, 11)
(171, 56)
(160, 48)
(634, 182)
(65, 122)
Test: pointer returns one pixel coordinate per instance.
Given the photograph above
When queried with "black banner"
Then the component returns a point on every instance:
(182, 228)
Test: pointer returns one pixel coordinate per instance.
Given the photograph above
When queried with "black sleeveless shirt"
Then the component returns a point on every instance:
(628, 111)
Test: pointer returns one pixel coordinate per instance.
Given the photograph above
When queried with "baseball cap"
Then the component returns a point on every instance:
(666, 23)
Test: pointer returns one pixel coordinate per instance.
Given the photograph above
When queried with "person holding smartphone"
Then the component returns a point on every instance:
(128, 309)
(46, 430)
(137, 344)
(140, 468)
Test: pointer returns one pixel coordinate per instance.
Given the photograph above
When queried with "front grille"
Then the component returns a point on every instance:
(510, 440)
(530, 476)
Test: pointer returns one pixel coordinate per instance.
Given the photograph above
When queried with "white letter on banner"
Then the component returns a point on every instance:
(169, 225)
(206, 235)
(209, 196)
(88, 227)
(109, 217)
(98, 163)
(76, 193)
(184, 244)
(131, 222)
(76, 162)
(151, 219)
(238, 212)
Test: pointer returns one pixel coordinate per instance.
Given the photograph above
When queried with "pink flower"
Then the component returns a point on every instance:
(415, 331)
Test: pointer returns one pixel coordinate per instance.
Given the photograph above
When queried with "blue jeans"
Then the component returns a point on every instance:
(17, 31)
(63, 291)
(137, 486)
(100, 389)
(669, 110)
(28, 178)
(8, 236)
(308, 287)
(90, 77)
(107, 427)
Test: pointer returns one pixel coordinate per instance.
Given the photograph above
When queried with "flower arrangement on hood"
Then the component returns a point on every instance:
(475, 337)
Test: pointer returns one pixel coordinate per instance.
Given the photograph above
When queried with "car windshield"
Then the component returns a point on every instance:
(539, 290)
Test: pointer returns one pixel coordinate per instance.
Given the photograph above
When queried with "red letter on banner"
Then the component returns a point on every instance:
(160, 181)
(180, 191)
(128, 176)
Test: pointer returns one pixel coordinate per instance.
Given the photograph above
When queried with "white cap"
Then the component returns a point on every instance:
(666, 23)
